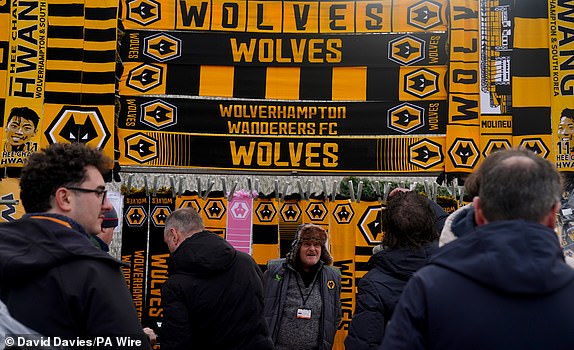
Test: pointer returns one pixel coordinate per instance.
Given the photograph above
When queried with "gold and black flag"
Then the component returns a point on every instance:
(330, 154)
(282, 50)
(81, 52)
(531, 112)
(265, 230)
(368, 234)
(280, 118)
(463, 131)
(23, 68)
(161, 206)
(214, 213)
(330, 17)
(561, 56)
(360, 83)
(134, 246)
(4, 49)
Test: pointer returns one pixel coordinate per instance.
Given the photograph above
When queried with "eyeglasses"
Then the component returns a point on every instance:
(98, 191)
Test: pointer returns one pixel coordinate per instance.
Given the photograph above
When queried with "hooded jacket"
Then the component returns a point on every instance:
(379, 291)
(55, 282)
(506, 286)
(459, 223)
(213, 298)
(277, 278)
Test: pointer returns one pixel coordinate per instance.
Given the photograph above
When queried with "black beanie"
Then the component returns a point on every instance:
(110, 219)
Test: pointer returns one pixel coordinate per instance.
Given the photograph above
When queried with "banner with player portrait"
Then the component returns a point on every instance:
(561, 56)
(25, 81)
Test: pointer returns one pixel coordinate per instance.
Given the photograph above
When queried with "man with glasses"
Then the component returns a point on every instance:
(52, 278)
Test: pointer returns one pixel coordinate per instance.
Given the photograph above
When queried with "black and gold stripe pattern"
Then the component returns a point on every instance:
(81, 52)
(531, 118)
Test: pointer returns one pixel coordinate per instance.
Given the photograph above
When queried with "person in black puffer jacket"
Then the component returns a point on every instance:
(409, 241)
(213, 298)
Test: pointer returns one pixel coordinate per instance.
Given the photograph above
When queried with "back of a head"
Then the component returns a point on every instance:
(185, 220)
(59, 164)
(408, 221)
(518, 184)
(472, 183)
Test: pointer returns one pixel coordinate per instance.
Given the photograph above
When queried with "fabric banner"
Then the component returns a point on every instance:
(239, 221)
(463, 131)
(11, 208)
(495, 133)
(134, 246)
(392, 154)
(161, 206)
(215, 212)
(368, 234)
(413, 83)
(92, 125)
(65, 57)
(561, 57)
(265, 231)
(4, 49)
(531, 86)
(25, 80)
(289, 220)
(316, 211)
(463, 152)
(496, 36)
(276, 118)
(186, 48)
(312, 17)
(81, 52)
(189, 200)
(343, 224)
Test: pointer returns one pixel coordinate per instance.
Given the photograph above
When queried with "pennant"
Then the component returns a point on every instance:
(343, 222)
(561, 48)
(161, 206)
(134, 247)
(308, 17)
(368, 234)
(265, 245)
(275, 118)
(396, 154)
(25, 81)
(215, 213)
(290, 217)
(239, 221)
(223, 49)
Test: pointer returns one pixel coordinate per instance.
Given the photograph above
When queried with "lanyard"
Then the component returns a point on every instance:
(304, 299)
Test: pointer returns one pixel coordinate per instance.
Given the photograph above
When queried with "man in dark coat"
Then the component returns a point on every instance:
(52, 279)
(213, 298)
(504, 285)
(410, 239)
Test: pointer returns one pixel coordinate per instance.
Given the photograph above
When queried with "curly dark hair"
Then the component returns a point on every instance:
(55, 166)
(408, 221)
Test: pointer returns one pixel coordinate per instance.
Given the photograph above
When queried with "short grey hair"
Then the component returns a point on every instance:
(518, 184)
(186, 220)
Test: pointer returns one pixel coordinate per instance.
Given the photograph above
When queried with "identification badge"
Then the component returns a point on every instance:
(304, 313)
